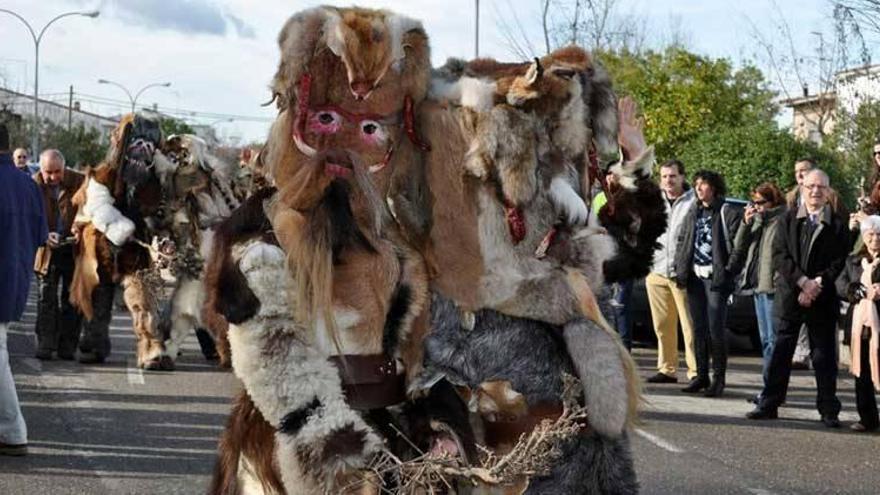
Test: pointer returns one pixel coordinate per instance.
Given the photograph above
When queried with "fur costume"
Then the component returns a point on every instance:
(509, 235)
(294, 338)
(118, 208)
(202, 192)
(154, 202)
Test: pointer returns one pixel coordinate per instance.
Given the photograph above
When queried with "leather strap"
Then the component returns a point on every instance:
(370, 381)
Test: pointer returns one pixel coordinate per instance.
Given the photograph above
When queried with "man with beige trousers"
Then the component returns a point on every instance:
(669, 302)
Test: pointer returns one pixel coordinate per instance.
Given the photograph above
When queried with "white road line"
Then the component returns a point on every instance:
(760, 491)
(663, 444)
(135, 375)
(32, 363)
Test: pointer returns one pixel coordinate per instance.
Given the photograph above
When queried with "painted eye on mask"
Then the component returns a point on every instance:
(325, 122)
(372, 132)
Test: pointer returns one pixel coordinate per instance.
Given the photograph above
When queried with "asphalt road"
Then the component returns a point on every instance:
(111, 429)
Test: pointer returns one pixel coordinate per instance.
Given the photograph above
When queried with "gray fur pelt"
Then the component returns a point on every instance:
(532, 356)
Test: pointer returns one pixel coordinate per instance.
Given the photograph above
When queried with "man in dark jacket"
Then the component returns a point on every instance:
(809, 253)
(23, 224)
(702, 265)
(58, 322)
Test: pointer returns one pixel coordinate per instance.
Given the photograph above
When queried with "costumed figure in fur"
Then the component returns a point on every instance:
(342, 282)
(120, 207)
(323, 333)
(507, 184)
(151, 205)
(200, 194)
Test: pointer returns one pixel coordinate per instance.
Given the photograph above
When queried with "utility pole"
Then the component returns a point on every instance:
(477, 29)
(70, 109)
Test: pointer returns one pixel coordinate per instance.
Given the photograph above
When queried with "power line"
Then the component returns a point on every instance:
(186, 114)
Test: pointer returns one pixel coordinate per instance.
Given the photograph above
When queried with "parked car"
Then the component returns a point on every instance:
(741, 320)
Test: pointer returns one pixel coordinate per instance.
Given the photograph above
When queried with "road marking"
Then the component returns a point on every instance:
(33, 363)
(135, 375)
(663, 444)
(760, 491)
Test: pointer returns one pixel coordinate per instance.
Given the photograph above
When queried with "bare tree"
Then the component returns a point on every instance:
(797, 70)
(514, 33)
(595, 24)
(866, 13)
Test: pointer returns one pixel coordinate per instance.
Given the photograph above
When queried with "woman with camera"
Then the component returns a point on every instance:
(753, 250)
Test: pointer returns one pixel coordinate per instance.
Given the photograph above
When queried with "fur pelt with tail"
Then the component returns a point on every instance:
(477, 263)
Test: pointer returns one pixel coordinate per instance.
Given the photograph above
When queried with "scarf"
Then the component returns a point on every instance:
(865, 315)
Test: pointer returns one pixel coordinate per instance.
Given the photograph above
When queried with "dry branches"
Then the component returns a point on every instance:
(534, 454)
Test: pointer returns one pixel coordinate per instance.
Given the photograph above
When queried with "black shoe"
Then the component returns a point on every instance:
(662, 378)
(696, 385)
(759, 413)
(800, 365)
(67, 356)
(830, 421)
(43, 355)
(716, 389)
(13, 450)
(91, 358)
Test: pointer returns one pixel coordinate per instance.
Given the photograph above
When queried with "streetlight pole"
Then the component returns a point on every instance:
(133, 99)
(35, 140)
(477, 29)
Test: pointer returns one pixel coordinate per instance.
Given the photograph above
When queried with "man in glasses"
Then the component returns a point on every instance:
(808, 255)
(20, 159)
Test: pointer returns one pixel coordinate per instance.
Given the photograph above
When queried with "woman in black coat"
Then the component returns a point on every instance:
(859, 283)
(705, 268)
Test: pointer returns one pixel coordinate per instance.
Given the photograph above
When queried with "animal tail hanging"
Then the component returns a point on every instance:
(590, 308)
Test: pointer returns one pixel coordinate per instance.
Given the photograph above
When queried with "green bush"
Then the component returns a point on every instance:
(750, 154)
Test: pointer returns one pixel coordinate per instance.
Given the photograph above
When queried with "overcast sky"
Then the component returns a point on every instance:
(219, 55)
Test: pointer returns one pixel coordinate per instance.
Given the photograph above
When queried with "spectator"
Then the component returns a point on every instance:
(753, 250)
(668, 302)
(874, 176)
(793, 196)
(23, 223)
(20, 157)
(801, 358)
(58, 322)
(703, 266)
(859, 282)
(808, 254)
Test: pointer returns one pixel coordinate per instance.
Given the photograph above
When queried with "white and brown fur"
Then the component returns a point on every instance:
(337, 231)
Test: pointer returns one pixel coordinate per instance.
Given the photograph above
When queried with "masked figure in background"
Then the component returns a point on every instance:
(200, 194)
(135, 209)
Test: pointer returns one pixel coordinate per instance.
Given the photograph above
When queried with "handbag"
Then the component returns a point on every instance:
(42, 259)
